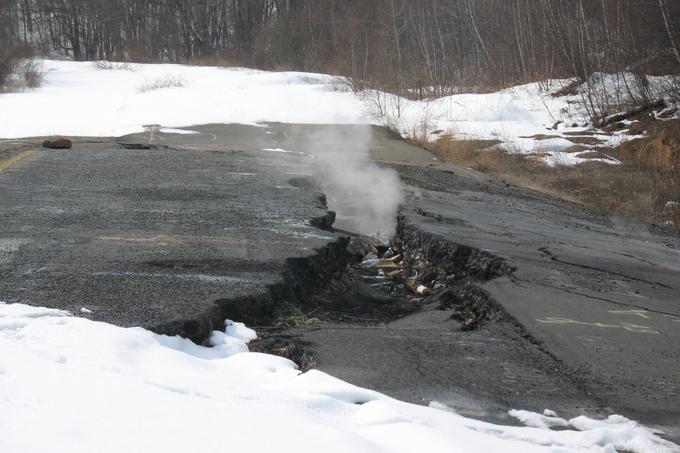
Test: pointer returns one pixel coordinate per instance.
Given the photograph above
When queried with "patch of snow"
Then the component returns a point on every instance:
(528, 145)
(69, 384)
(440, 406)
(546, 421)
(281, 150)
(86, 311)
(519, 116)
(169, 130)
(555, 158)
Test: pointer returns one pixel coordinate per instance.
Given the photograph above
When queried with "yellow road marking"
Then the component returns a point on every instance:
(5, 164)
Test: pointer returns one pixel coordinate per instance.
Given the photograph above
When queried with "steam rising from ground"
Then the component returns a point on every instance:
(365, 196)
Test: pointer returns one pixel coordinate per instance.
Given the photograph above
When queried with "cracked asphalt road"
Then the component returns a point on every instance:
(599, 293)
(147, 237)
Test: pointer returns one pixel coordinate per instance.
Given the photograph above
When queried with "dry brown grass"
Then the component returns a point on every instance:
(646, 185)
(661, 150)
(457, 151)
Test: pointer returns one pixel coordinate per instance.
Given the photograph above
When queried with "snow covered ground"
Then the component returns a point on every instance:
(517, 115)
(79, 99)
(525, 118)
(68, 384)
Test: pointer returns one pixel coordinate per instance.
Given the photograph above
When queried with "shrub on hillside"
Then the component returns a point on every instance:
(18, 70)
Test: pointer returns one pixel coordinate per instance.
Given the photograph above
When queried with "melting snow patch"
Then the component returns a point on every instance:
(76, 385)
(546, 421)
(169, 130)
(281, 150)
(547, 145)
(556, 158)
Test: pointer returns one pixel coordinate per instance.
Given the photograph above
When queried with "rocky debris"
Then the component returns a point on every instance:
(58, 143)
(469, 304)
(383, 268)
(423, 283)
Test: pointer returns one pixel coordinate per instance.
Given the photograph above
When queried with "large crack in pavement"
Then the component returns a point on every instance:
(453, 344)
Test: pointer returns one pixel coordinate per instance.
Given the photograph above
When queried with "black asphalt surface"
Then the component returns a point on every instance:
(145, 237)
(600, 293)
(148, 237)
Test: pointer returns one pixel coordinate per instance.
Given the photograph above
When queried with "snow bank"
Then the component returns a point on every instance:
(526, 118)
(521, 111)
(78, 99)
(516, 113)
(72, 385)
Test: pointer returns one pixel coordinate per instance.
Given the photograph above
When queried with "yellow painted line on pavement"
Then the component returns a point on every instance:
(5, 164)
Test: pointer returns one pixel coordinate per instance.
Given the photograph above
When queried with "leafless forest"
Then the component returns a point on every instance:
(395, 44)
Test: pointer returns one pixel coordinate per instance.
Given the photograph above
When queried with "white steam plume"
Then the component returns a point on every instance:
(364, 196)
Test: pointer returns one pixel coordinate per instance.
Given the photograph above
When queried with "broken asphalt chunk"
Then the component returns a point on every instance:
(58, 143)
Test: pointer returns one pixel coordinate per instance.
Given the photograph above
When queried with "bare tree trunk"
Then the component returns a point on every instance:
(669, 29)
